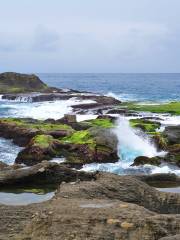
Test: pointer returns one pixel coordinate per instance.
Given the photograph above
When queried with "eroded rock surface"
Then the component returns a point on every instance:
(110, 207)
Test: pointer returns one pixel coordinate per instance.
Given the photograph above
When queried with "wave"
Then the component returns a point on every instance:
(123, 96)
(41, 110)
(23, 99)
(8, 151)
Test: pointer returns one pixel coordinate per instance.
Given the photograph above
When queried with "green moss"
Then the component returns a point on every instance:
(38, 191)
(145, 125)
(172, 108)
(177, 158)
(42, 141)
(104, 123)
(37, 125)
(80, 137)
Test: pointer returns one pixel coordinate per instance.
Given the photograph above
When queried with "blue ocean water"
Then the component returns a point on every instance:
(137, 86)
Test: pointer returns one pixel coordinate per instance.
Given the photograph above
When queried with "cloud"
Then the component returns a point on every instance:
(115, 46)
(45, 40)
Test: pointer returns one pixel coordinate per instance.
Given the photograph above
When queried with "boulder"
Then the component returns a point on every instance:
(142, 160)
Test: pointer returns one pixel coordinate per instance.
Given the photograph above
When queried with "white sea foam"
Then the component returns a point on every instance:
(123, 96)
(58, 160)
(8, 151)
(85, 117)
(133, 140)
(43, 110)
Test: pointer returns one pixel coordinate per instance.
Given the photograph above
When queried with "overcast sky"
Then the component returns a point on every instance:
(90, 35)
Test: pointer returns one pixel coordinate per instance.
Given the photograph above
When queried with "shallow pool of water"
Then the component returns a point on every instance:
(24, 195)
(171, 190)
(23, 198)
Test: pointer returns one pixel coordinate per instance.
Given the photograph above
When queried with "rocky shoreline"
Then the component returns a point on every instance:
(86, 205)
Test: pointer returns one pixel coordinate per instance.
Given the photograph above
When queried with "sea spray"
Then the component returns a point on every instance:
(133, 142)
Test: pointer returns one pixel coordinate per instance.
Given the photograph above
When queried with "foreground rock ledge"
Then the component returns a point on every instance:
(102, 206)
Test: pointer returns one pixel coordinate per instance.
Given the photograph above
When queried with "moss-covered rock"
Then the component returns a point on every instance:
(171, 108)
(41, 147)
(44, 140)
(145, 125)
(103, 123)
(93, 145)
(23, 130)
(160, 141)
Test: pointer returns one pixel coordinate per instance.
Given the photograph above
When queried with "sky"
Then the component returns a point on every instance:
(90, 36)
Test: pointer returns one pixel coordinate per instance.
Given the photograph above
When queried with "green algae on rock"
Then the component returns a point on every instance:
(172, 108)
(104, 123)
(35, 124)
(79, 137)
(41, 147)
(145, 125)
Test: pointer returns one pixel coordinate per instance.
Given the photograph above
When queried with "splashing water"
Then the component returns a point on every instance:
(132, 143)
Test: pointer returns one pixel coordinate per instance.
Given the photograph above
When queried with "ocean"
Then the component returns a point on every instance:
(158, 87)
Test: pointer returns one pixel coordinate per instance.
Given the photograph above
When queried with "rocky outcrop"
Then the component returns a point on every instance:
(41, 147)
(97, 219)
(109, 208)
(16, 83)
(22, 130)
(42, 173)
(124, 188)
(96, 144)
(92, 142)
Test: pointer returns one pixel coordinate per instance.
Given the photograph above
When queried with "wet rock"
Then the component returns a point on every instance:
(41, 147)
(20, 135)
(117, 111)
(42, 173)
(142, 160)
(172, 133)
(160, 142)
(3, 165)
(111, 118)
